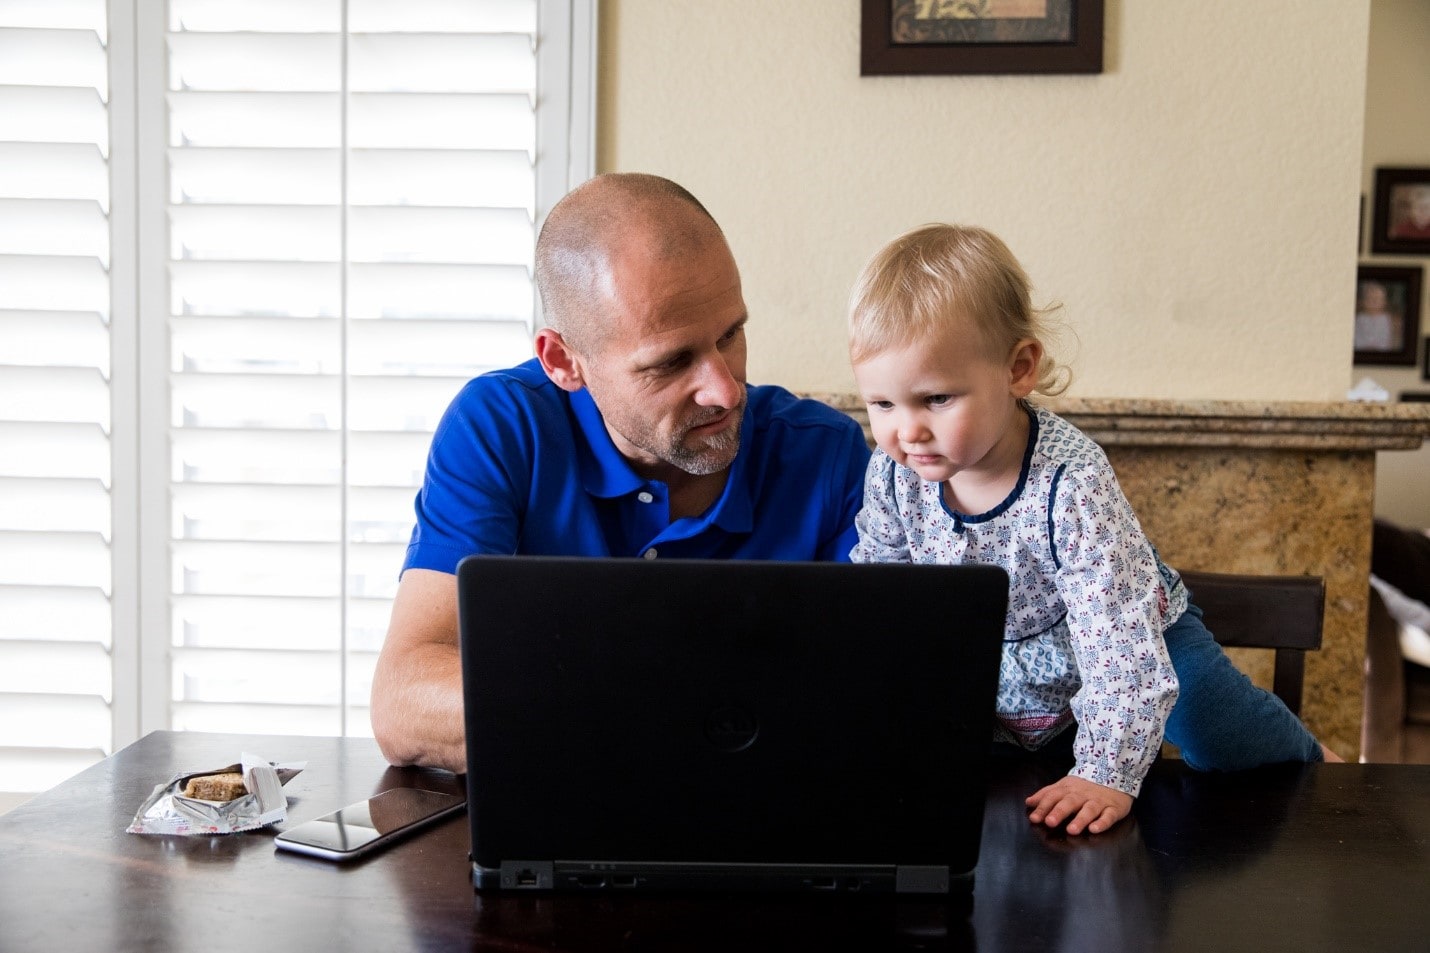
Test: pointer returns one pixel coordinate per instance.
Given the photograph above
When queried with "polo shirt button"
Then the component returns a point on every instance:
(644, 497)
(649, 553)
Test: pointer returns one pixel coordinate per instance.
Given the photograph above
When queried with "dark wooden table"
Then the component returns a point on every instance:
(1294, 858)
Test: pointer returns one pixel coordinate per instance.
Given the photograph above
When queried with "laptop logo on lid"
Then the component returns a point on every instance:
(731, 729)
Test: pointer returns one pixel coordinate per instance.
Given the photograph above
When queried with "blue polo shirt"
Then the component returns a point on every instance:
(519, 465)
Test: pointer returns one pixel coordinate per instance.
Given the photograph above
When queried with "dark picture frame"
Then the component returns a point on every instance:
(1402, 212)
(904, 37)
(1387, 315)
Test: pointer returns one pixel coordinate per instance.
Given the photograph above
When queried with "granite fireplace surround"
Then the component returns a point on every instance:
(1273, 488)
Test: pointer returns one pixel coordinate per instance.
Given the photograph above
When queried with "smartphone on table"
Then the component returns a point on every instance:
(359, 829)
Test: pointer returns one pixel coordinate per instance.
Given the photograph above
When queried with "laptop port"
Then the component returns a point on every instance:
(823, 883)
(526, 877)
(623, 880)
(590, 880)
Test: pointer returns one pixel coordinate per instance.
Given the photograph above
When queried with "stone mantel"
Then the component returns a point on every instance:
(1282, 425)
(1262, 487)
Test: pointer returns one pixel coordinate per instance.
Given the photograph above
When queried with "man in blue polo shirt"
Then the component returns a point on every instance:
(632, 433)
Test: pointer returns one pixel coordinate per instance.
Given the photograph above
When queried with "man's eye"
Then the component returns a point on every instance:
(731, 334)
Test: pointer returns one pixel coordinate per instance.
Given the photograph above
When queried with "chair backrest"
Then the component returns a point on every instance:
(1283, 613)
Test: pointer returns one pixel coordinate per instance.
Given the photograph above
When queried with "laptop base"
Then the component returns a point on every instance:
(578, 876)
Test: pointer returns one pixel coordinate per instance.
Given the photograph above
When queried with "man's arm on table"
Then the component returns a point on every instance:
(417, 687)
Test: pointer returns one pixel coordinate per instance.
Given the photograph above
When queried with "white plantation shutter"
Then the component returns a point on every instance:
(56, 630)
(328, 210)
(351, 208)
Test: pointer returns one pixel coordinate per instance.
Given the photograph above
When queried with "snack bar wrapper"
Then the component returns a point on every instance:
(167, 811)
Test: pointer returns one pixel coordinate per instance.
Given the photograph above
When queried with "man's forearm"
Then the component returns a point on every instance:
(417, 708)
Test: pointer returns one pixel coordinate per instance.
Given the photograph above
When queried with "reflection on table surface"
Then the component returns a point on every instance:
(1319, 857)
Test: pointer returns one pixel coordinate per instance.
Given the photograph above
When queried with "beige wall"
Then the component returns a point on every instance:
(1397, 133)
(1194, 207)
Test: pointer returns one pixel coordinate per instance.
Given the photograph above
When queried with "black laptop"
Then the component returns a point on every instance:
(731, 725)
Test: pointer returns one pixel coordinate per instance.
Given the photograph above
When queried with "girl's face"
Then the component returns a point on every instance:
(942, 407)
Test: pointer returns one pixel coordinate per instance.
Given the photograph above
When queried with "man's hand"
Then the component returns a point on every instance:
(1083, 804)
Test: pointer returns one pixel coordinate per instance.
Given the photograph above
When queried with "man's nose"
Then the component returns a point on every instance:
(717, 386)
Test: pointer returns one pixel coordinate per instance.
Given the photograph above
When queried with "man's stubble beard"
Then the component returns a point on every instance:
(718, 451)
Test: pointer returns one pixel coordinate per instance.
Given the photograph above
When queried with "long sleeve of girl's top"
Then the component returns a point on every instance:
(1117, 605)
(882, 538)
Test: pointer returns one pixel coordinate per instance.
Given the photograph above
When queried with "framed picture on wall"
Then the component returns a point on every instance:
(1387, 320)
(900, 37)
(1402, 212)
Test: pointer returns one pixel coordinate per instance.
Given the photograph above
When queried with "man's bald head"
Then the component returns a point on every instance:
(611, 215)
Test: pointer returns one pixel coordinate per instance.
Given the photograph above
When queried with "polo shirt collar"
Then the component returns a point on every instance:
(606, 473)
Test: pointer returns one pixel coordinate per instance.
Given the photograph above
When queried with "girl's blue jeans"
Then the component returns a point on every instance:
(1222, 721)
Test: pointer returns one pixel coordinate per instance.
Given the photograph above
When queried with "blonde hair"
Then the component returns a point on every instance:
(939, 280)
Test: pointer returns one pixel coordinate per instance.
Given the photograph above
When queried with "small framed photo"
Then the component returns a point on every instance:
(1387, 328)
(1402, 212)
(902, 37)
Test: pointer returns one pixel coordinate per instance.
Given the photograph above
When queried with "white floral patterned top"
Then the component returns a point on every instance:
(1088, 596)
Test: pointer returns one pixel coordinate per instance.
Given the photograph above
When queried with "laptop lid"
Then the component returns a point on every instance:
(727, 724)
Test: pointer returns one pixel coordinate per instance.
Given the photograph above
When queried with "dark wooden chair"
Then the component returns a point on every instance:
(1283, 613)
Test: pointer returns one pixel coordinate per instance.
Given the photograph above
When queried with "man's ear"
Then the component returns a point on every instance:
(560, 362)
(1023, 367)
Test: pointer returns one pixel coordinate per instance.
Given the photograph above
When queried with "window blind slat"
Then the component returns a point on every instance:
(36, 116)
(382, 290)
(55, 613)
(55, 339)
(446, 347)
(258, 62)
(54, 227)
(54, 170)
(441, 236)
(490, 16)
(495, 178)
(55, 668)
(52, 503)
(275, 622)
(58, 394)
(42, 56)
(265, 719)
(255, 176)
(272, 677)
(31, 767)
(54, 282)
(54, 448)
(442, 63)
(281, 232)
(64, 721)
(300, 289)
(442, 121)
(54, 558)
(56, 14)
